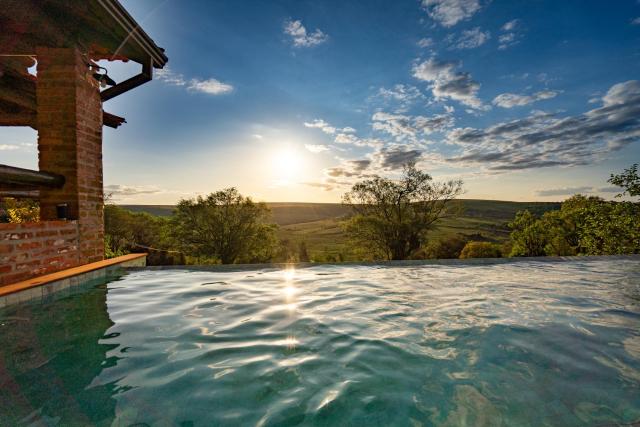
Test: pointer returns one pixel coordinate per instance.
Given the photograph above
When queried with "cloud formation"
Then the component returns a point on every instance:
(449, 12)
(469, 39)
(396, 157)
(126, 191)
(322, 125)
(300, 37)
(314, 148)
(510, 34)
(544, 139)
(425, 42)
(402, 95)
(403, 126)
(446, 82)
(569, 191)
(510, 100)
(209, 86)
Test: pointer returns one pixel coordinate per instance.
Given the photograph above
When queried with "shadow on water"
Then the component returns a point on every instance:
(50, 355)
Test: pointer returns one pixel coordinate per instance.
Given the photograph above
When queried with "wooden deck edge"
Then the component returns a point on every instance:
(68, 273)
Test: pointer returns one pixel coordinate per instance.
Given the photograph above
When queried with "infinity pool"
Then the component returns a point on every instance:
(523, 343)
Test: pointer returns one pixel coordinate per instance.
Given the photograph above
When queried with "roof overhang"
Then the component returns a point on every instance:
(101, 28)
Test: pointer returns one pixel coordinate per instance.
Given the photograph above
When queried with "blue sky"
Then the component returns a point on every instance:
(296, 100)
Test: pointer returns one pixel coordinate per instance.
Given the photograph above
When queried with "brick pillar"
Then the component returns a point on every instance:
(70, 143)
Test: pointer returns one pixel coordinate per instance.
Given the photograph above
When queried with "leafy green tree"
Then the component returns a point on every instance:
(127, 232)
(628, 180)
(528, 237)
(225, 225)
(610, 228)
(392, 218)
(480, 250)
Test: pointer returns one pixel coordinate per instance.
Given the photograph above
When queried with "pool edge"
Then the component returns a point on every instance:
(403, 263)
(41, 286)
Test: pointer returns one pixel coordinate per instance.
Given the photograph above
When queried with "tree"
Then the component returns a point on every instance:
(225, 225)
(480, 250)
(13, 210)
(628, 180)
(392, 218)
(528, 236)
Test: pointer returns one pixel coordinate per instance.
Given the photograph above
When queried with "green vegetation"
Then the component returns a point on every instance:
(481, 228)
(16, 211)
(583, 225)
(392, 218)
(224, 226)
(481, 250)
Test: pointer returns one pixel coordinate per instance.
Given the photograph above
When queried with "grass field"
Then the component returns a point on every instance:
(319, 224)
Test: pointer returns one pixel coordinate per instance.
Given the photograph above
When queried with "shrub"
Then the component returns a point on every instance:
(480, 250)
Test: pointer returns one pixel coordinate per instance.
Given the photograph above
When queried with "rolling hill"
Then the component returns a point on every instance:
(319, 225)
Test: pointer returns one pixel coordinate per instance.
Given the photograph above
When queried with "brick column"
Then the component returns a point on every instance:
(70, 143)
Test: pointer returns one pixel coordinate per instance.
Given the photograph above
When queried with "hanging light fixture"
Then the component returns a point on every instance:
(102, 78)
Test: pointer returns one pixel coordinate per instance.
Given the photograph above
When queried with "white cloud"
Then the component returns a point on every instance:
(449, 12)
(257, 136)
(470, 39)
(544, 139)
(446, 82)
(636, 21)
(510, 100)
(511, 25)
(511, 34)
(167, 76)
(403, 96)
(316, 148)
(118, 191)
(565, 191)
(568, 191)
(403, 126)
(8, 147)
(300, 36)
(210, 86)
(425, 42)
(322, 125)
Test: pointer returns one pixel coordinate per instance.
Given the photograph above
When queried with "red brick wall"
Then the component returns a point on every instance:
(36, 248)
(69, 122)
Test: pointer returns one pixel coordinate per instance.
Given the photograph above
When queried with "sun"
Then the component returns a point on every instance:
(287, 164)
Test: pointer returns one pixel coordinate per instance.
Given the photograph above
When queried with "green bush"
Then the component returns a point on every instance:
(480, 250)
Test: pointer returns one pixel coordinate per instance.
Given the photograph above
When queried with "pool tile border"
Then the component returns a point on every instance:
(44, 286)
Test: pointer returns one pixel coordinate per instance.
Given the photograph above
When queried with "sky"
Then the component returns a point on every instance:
(297, 100)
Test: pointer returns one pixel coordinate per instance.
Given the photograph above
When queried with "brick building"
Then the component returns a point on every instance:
(63, 101)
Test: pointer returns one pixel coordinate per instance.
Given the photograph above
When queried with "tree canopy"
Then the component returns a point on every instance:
(392, 217)
(226, 226)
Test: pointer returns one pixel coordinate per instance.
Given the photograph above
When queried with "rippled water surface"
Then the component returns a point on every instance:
(526, 343)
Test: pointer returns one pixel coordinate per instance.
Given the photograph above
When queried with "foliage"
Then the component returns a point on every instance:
(127, 232)
(444, 248)
(480, 250)
(224, 225)
(628, 180)
(392, 218)
(16, 211)
(582, 226)
(528, 235)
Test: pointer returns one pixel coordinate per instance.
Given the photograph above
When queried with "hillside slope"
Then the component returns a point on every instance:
(295, 213)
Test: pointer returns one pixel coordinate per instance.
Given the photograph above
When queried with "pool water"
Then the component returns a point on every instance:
(528, 343)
